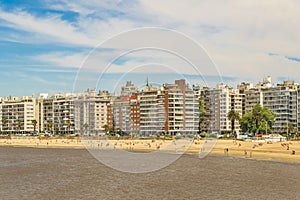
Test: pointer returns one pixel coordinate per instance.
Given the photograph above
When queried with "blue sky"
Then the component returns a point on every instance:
(61, 46)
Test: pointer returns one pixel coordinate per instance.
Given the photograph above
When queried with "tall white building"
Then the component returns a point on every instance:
(152, 111)
(17, 115)
(129, 89)
(90, 112)
(218, 102)
(172, 109)
(182, 108)
(56, 113)
(282, 100)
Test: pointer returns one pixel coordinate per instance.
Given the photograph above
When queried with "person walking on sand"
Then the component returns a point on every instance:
(226, 151)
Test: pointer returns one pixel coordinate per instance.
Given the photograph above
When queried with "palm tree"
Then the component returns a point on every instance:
(56, 130)
(34, 122)
(106, 128)
(296, 135)
(233, 116)
(50, 125)
(290, 129)
(68, 124)
(257, 115)
(19, 124)
(85, 127)
(4, 122)
(201, 115)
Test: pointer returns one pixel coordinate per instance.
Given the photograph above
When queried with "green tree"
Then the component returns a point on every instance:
(233, 116)
(106, 128)
(19, 125)
(201, 115)
(257, 116)
(85, 127)
(68, 124)
(296, 135)
(4, 122)
(50, 126)
(290, 129)
(259, 120)
(34, 123)
(56, 130)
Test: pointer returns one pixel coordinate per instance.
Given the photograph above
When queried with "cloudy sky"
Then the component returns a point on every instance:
(59, 45)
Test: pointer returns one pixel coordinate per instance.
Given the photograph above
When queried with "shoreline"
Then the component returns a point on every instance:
(279, 151)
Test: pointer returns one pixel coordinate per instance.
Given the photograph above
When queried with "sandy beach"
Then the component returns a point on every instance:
(278, 151)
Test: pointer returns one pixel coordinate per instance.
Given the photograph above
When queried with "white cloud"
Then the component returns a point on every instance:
(50, 26)
(61, 59)
(238, 35)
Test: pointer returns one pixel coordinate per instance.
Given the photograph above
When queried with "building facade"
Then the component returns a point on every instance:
(171, 109)
(17, 115)
(217, 104)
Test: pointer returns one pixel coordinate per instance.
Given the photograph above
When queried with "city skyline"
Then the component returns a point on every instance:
(172, 107)
(118, 90)
(44, 45)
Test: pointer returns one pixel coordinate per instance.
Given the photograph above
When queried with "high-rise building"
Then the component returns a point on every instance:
(182, 108)
(152, 111)
(17, 115)
(134, 115)
(121, 114)
(90, 112)
(282, 100)
(56, 113)
(170, 109)
(129, 89)
(217, 103)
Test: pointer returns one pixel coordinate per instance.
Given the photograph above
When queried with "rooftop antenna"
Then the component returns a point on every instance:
(147, 84)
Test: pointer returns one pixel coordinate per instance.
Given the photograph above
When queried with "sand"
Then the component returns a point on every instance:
(277, 151)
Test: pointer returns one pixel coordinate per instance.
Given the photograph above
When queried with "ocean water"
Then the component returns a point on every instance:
(30, 173)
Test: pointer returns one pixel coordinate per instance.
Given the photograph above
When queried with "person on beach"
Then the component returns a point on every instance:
(226, 151)
(293, 152)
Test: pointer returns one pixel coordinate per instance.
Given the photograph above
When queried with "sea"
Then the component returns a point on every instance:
(49, 173)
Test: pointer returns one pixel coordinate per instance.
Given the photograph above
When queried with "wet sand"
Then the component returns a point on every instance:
(51, 173)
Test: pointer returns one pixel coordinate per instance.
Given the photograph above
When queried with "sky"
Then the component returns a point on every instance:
(50, 46)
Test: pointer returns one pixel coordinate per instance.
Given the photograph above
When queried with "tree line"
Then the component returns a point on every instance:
(259, 120)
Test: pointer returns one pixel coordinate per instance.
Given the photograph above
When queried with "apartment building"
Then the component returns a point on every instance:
(126, 114)
(134, 115)
(254, 95)
(182, 108)
(56, 113)
(298, 109)
(129, 89)
(121, 114)
(282, 100)
(217, 103)
(17, 114)
(172, 108)
(90, 112)
(152, 111)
